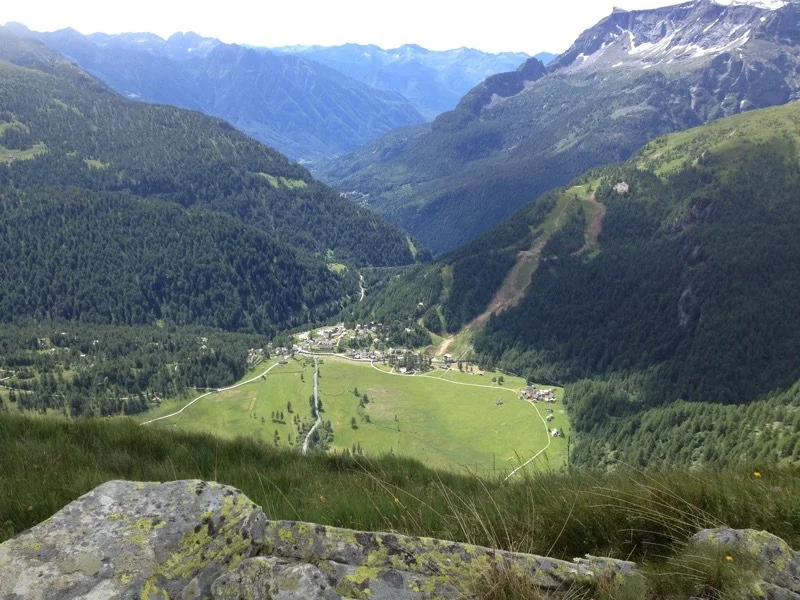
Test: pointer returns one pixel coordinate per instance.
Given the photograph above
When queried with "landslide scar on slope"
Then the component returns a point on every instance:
(521, 274)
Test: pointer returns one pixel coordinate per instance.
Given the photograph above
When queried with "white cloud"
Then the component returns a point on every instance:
(497, 25)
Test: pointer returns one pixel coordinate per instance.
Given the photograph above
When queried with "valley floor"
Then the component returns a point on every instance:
(448, 419)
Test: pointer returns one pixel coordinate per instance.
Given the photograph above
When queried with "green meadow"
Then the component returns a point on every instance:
(247, 411)
(449, 420)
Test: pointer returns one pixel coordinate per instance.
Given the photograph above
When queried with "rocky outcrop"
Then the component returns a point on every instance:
(502, 85)
(134, 540)
(774, 568)
(190, 539)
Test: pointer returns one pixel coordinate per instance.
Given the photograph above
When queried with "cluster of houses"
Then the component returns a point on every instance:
(547, 395)
(366, 354)
(254, 355)
(326, 339)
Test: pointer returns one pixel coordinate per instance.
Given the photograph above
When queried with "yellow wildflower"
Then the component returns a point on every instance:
(729, 558)
(757, 474)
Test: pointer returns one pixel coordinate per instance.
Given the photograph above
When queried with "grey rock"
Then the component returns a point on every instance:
(388, 566)
(776, 565)
(189, 539)
(272, 579)
(134, 540)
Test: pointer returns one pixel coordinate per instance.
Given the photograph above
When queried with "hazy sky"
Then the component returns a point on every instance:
(494, 25)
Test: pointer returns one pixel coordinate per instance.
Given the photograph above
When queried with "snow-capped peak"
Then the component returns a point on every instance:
(766, 4)
(668, 36)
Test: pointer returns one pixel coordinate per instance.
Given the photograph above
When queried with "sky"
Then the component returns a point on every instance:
(495, 26)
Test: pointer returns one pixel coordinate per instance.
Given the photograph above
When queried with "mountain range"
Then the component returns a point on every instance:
(633, 76)
(122, 212)
(309, 104)
(433, 81)
(303, 108)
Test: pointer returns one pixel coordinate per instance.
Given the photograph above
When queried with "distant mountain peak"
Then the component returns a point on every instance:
(17, 28)
(415, 47)
(667, 36)
(434, 80)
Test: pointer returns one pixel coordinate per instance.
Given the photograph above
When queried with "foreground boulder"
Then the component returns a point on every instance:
(189, 540)
(772, 568)
(134, 540)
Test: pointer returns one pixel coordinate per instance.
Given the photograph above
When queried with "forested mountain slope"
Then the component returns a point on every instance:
(433, 80)
(74, 131)
(120, 212)
(672, 276)
(104, 257)
(632, 77)
(301, 107)
(693, 283)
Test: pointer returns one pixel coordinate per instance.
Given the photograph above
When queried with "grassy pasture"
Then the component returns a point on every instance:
(7, 155)
(247, 411)
(449, 420)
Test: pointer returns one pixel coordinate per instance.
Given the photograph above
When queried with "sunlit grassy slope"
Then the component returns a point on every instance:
(640, 516)
(449, 420)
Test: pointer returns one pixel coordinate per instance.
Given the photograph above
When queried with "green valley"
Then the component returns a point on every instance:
(585, 392)
(450, 420)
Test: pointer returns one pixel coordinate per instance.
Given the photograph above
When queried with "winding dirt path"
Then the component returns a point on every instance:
(539, 453)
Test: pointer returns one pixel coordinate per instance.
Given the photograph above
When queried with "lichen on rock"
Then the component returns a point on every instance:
(189, 540)
(774, 563)
(385, 565)
(269, 578)
(132, 540)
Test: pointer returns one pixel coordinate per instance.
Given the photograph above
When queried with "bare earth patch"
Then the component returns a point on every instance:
(515, 283)
(596, 226)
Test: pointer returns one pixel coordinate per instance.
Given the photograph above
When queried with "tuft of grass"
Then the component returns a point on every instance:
(507, 584)
(643, 516)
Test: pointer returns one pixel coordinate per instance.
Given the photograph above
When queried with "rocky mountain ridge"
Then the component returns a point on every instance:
(434, 81)
(678, 34)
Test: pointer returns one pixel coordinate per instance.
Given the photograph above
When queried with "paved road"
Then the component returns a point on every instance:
(316, 406)
(233, 387)
(334, 355)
